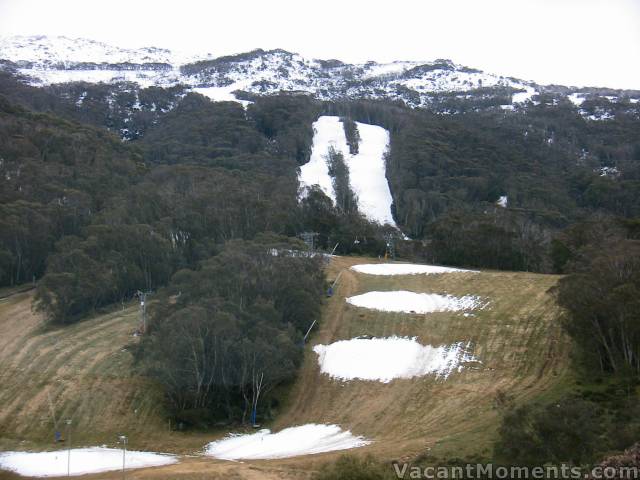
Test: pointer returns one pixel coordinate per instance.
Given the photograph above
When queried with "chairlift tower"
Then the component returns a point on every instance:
(391, 246)
(123, 440)
(142, 296)
(68, 421)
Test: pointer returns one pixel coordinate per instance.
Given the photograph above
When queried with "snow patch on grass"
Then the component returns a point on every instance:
(83, 461)
(290, 442)
(411, 302)
(405, 269)
(384, 359)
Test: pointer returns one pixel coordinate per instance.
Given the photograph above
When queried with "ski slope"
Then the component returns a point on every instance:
(368, 174)
(328, 133)
(518, 344)
(367, 169)
(396, 378)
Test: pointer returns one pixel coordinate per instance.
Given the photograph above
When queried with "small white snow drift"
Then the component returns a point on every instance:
(383, 359)
(405, 269)
(367, 169)
(411, 302)
(83, 461)
(290, 442)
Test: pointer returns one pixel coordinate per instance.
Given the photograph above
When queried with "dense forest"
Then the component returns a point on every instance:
(554, 167)
(202, 211)
(600, 298)
(107, 190)
(223, 336)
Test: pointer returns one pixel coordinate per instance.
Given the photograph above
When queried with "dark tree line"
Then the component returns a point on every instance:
(96, 219)
(55, 175)
(352, 134)
(202, 173)
(183, 207)
(601, 294)
(107, 265)
(224, 336)
(346, 200)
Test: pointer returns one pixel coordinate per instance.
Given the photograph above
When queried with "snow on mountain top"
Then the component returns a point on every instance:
(521, 97)
(49, 51)
(223, 94)
(50, 60)
(373, 69)
(576, 98)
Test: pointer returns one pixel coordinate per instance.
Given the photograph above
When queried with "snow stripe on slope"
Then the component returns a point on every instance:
(290, 442)
(367, 174)
(405, 269)
(411, 302)
(383, 359)
(327, 132)
(83, 461)
(367, 169)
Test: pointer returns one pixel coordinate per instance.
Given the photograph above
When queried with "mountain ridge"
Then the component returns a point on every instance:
(50, 60)
(440, 86)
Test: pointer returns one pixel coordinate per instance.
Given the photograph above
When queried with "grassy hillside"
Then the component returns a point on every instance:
(517, 339)
(83, 372)
(86, 371)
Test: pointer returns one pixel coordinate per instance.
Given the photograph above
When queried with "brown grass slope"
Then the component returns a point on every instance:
(82, 372)
(517, 338)
(85, 372)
